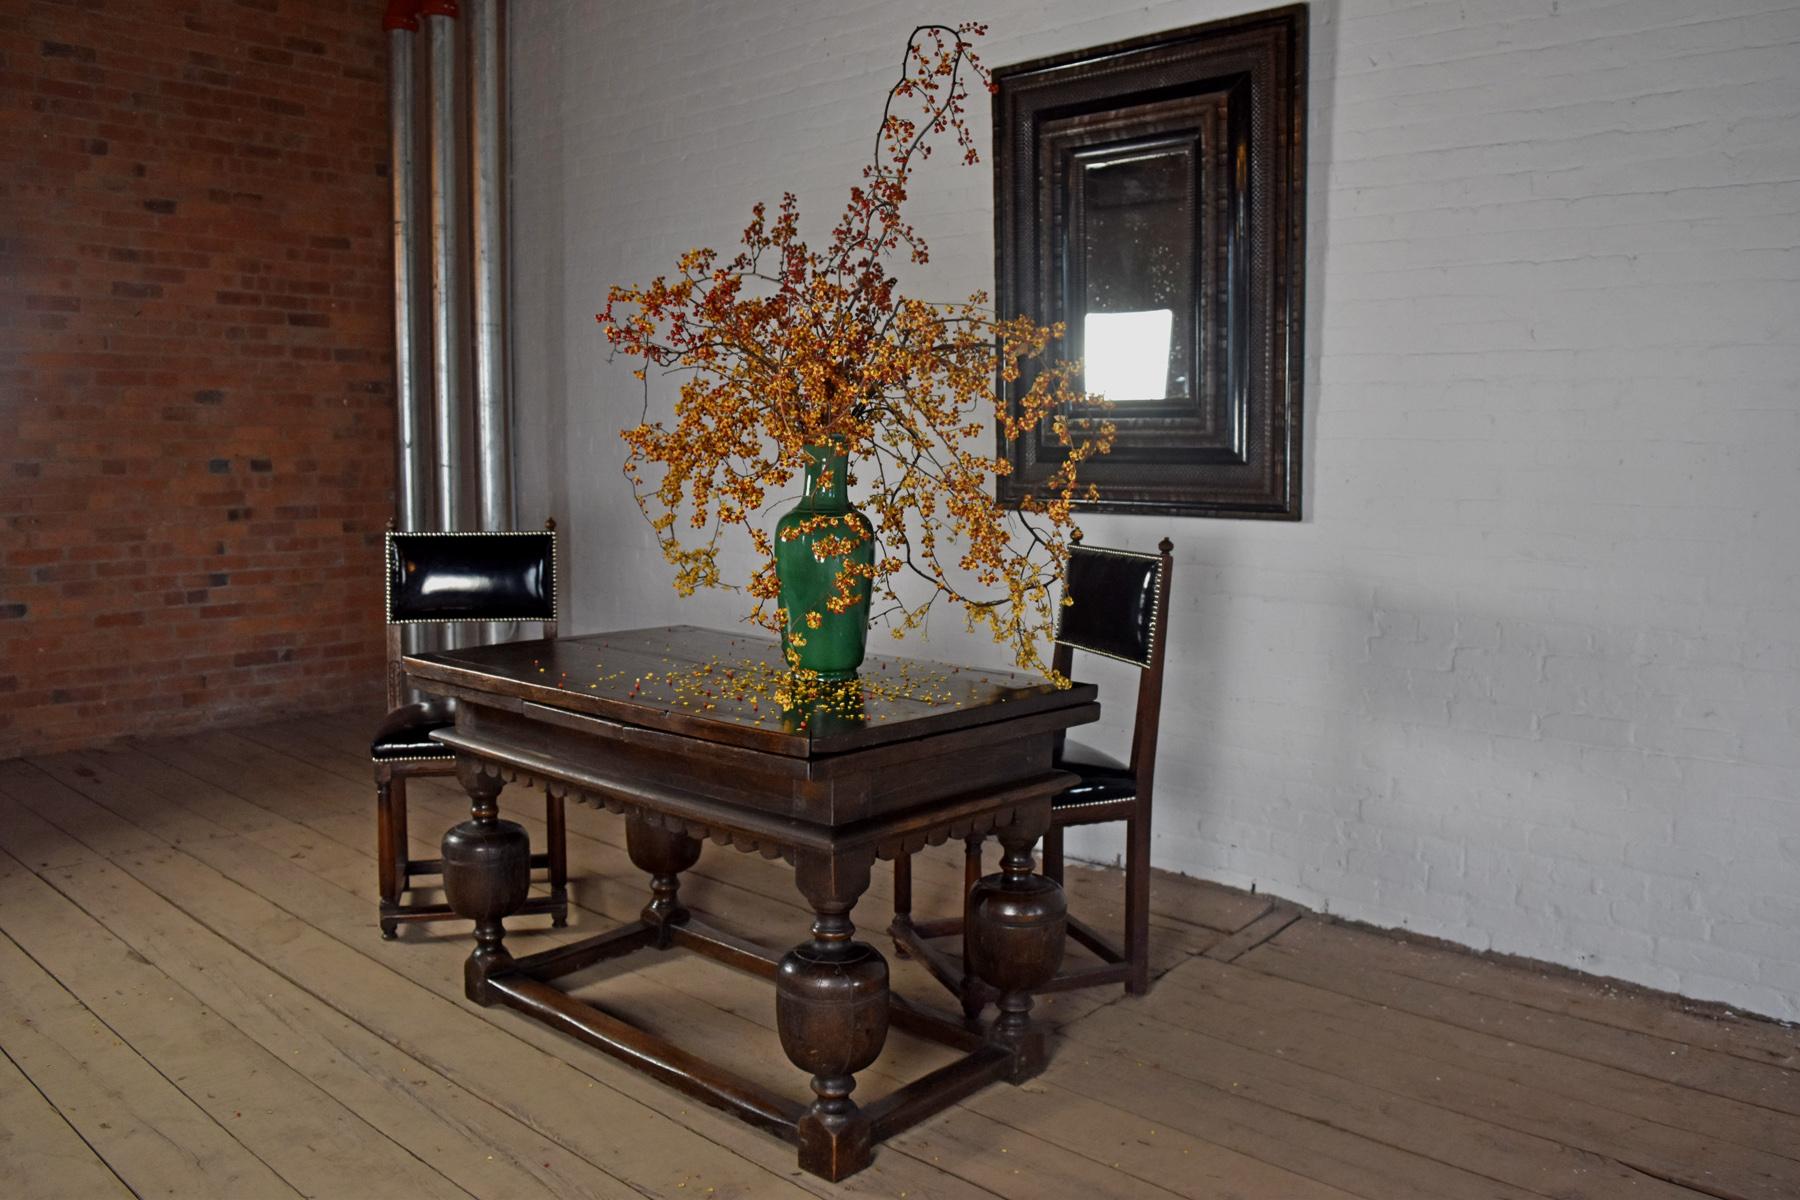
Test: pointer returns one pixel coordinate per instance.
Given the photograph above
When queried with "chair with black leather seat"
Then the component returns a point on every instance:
(441, 579)
(1118, 607)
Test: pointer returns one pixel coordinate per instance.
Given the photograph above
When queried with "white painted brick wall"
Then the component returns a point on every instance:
(1528, 676)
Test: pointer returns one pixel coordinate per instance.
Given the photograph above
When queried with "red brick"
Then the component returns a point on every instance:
(199, 269)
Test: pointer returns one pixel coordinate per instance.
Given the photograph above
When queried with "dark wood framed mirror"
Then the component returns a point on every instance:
(1150, 195)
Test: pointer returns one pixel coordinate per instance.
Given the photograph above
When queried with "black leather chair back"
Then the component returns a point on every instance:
(1113, 601)
(500, 576)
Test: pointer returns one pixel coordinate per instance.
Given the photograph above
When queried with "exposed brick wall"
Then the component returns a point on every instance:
(1528, 675)
(195, 348)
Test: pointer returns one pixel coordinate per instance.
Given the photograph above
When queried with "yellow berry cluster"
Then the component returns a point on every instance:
(757, 691)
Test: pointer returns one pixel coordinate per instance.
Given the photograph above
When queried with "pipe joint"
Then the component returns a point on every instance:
(401, 14)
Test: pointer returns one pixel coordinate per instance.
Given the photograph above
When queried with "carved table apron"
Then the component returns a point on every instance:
(831, 792)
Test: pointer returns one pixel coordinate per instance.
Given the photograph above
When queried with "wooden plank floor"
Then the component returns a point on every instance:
(194, 1002)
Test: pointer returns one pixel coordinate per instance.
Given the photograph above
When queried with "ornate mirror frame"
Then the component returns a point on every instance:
(1161, 182)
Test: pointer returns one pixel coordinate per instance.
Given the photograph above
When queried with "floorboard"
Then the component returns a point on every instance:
(43, 1152)
(1339, 966)
(487, 1153)
(1298, 1019)
(268, 1108)
(1565, 993)
(194, 1002)
(1444, 1095)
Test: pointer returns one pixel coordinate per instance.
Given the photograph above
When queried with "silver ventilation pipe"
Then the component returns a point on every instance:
(411, 507)
(447, 316)
(493, 451)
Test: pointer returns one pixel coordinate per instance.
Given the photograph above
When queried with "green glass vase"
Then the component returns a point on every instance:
(813, 542)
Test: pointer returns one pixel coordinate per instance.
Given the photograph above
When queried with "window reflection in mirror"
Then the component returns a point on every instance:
(1126, 355)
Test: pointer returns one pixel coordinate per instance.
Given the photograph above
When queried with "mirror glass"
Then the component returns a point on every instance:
(1135, 254)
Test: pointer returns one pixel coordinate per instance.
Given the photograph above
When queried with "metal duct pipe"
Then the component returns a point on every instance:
(487, 231)
(411, 501)
(493, 455)
(411, 507)
(447, 315)
(447, 347)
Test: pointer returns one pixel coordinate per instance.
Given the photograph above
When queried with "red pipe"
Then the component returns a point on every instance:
(439, 8)
(401, 14)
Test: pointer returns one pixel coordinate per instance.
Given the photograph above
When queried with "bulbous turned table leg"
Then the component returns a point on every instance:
(1017, 924)
(831, 1010)
(487, 874)
(664, 855)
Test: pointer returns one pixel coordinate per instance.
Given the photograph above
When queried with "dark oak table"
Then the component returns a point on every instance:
(681, 731)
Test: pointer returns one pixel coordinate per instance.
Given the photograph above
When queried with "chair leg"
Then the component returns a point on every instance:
(903, 885)
(559, 860)
(1053, 853)
(1137, 900)
(385, 856)
(402, 839)
(902, 899)
(971, 989)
